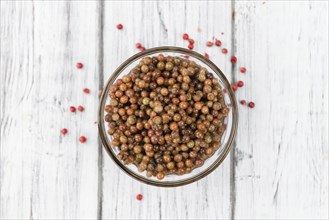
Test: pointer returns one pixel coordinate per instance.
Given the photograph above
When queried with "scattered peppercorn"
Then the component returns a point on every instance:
(233, 59)
(251, 105)
(138, 45)
(240, 84)
(64, 131)
(79, 65)
(166, 116)
(243, 102)
(243, 69)
(86, 90)
(80, 108)
(234, 87)
(224, 51)
(206, 55)
(119, 26)
(139, 197)
(190, 46)
(185, 36)
(82, 139)
(72, 109)
(218, 43)
(209, 44)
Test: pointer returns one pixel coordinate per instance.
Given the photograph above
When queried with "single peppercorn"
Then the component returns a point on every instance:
(240, 84)
(82, 139)
(119, 26)
(80, 108)
(64, 131)
(233, 59)
(218, 43)
(72, 109)
(139, 197)
(251, 104)
(209, 44)
(138, 45)
(79, 65)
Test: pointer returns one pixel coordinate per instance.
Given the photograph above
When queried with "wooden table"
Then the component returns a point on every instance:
(279, 165)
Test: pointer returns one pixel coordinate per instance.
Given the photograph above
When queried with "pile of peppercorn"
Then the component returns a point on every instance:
(166, 116)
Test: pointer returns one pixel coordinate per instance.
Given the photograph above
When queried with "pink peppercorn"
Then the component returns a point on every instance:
(243, 102)
(240, 84)
(138, 45)
(119, 26)
(185, 36)
(139, 197)
(206, 55)
(234, 87)
(209, 44)
(64, 131)
(190, 46)
(79, 65)
(233, 59)
(82, 139)
(243, 69)
(72, 109)
(191, 41)
(80, 108)
(224, 51)
(86, 90)
(218, 43)
(251, 105)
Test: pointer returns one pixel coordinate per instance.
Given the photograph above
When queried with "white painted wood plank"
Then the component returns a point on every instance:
(282, 146)
(45, 175)
(146, 22)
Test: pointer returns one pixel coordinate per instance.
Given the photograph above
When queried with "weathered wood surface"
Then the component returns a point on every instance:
(279, 167)
(282, 148)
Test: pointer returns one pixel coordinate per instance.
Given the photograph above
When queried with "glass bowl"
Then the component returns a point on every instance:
(227, 139)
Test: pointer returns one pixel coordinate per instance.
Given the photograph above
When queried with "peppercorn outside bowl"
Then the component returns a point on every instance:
(211, 163)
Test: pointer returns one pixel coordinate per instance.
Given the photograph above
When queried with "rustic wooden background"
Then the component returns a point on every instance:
(279, 165)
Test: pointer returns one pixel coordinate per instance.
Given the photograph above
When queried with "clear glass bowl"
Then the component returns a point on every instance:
(227, 139)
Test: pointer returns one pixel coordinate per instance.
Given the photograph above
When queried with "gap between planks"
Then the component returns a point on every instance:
(100, 65)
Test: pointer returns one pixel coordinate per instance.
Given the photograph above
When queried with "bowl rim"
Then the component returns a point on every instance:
(234, 109)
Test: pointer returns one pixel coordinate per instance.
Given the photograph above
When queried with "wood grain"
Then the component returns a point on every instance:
(43, 174)
(282, 151)
(154, 24)
(279, 168)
